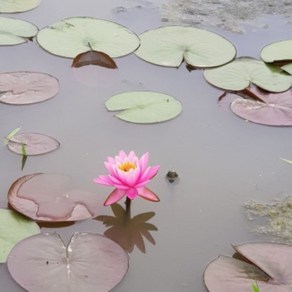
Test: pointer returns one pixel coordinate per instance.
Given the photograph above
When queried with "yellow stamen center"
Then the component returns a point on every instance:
(127, 166)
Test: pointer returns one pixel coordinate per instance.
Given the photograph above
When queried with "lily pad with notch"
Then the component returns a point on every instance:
(244, 71)
(90, 262)
(15, 6)
(277, 51)
(171, 45)
(16, 31)
(73, 36)
(267, 264)
(51, 198)
(144, 107)
(13, 228)
(24, 87)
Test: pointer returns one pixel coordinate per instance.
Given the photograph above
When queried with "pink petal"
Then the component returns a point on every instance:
(103, 180)
(149, 173)
(122, 155)
(114, 196)
(132, 193)
(132, 156)
(143, 162)
(148, 195)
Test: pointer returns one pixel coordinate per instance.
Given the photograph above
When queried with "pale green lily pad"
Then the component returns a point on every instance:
(15, 31)
(75, 35)
(144, 107)
(171, 45)
(287, 68)
(240, 73)
(278, 51)
(13, 228)
(13, 6)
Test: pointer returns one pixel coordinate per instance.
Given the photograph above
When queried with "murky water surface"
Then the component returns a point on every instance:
(222, 160)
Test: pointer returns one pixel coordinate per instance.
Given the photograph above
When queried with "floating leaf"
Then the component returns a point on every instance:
(51, 197)
(27, 87)
(287, 68)
(240, 73)
(34, 143)
(13, 228)
(90, 262)
(75, 35)
(11, 134)
(94, 58)
(144, 106)
(275, 109)
(8, 6)
(15, 31)
(171, 45)
(278, 51)
(269, 264)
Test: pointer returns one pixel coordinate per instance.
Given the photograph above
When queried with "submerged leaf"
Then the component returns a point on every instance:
(32, 143)
(171, 45)
(240, 73)
(51, 197)
(94, 58)
(144, 106)
(13, 228)
(73, 36)
(15, 31)
(27, 87)
(90, 262)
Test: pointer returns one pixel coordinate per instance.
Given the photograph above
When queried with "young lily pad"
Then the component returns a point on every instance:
(269, 264)
(144, 106)
(278, 51)
(90, 262)
(21, 88)
(15, 31)
(274, 109)
(171, 45)
(51, 198)
(240, 73)
(76, 35)
(8, 6)
(34, 144)
(13, 228)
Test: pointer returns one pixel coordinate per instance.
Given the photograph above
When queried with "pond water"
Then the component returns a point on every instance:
(222, 161)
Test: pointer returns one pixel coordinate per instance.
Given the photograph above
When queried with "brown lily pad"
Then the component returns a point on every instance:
(27, 87)
(51, 198)
(94, 58)
(267, 264)
(34, 143)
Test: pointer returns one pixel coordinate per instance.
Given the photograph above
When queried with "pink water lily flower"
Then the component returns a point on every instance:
(129, 175)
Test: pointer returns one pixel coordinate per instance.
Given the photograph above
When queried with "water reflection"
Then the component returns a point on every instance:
(127, 231)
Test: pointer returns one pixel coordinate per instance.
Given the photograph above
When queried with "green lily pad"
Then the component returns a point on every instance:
(76, 35)
(240, 73)
(15, 31)
(8, 6)
(171, 45)
(278, 51)
(144, 107)
(13, 228)
(287, 68)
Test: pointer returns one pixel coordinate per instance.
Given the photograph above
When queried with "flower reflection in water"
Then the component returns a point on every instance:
(127, 231)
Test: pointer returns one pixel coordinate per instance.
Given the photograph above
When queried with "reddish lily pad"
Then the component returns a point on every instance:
(268, 264)
(34, 143)
(94, 58)
(51, 198)
(27, 87)
(273, 109)
(90, 262)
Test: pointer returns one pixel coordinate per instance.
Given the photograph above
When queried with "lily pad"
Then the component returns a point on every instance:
(273, 109)
(8, 6)
(240, 73)
(34, 144)
(76, 35)
(269, 264)
(13, 228)
(171, 45)
(144, 106)
(51, 198)
(15, 31)
(90, 262)
(287, 68)
(21, 88)
(278, 51)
